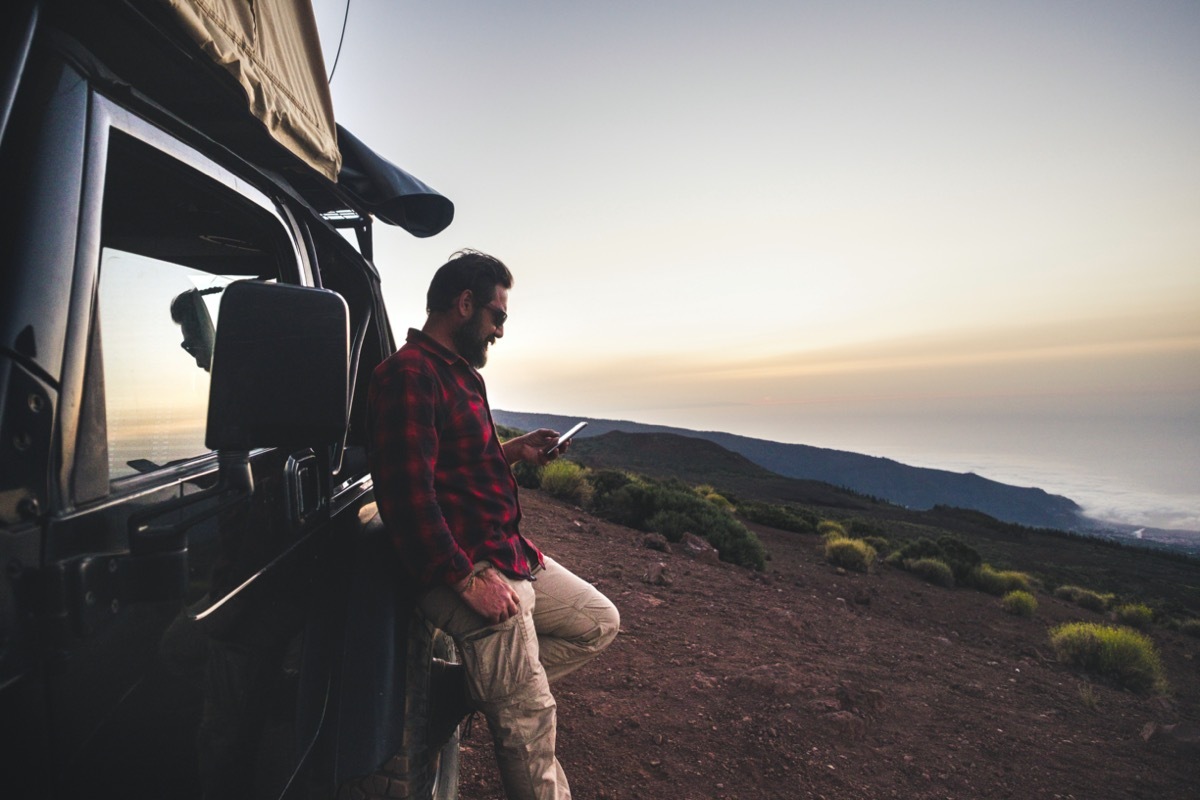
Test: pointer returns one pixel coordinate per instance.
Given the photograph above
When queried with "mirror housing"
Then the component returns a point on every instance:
(280, 368)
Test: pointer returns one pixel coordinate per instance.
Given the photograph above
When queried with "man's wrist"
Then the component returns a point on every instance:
(466, 584)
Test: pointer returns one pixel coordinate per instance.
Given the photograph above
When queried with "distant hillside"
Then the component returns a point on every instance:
(914, 487)
(696, 461)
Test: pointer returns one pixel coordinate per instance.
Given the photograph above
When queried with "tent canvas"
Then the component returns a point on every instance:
(272, 49)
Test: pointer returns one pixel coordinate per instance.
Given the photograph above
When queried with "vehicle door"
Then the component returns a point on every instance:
(187, 652)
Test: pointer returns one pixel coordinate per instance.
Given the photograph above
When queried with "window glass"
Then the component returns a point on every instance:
(156, 375)
(172, 240)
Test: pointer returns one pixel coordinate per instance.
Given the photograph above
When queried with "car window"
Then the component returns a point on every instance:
(172, 239)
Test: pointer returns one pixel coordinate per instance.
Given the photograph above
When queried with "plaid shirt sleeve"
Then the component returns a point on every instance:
(403, 402)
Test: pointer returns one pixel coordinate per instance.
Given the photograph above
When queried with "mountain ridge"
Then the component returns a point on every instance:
(875, 476)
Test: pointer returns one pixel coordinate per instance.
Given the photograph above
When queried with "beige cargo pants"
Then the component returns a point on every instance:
(564, 623)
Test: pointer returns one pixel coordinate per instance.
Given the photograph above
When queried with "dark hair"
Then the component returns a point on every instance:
(467, 269)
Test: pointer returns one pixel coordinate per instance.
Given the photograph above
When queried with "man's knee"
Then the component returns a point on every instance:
(608, 622)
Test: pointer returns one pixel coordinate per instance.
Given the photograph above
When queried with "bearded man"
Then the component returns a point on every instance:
(446, 492)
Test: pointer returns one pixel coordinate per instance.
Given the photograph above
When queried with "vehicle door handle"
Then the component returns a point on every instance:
(303, 487)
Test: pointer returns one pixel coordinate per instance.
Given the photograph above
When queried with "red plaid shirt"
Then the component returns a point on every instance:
(443, 485)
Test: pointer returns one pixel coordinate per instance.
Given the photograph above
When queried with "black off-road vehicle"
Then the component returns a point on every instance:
(197, 598)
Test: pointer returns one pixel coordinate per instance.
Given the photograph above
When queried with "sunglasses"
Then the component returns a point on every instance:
(498, 316)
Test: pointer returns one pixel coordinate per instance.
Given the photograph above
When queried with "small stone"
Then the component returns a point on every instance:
(656, 541)
(657, 575)
(699, 549)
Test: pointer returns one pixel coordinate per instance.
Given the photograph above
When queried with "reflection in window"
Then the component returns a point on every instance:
(156, 323)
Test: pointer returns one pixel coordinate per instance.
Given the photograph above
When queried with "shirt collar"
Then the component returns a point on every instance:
(419, 338)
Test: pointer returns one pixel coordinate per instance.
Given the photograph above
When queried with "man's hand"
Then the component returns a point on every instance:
(532, 447)
(489, 596)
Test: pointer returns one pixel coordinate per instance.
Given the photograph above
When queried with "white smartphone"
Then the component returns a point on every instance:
(566, 437)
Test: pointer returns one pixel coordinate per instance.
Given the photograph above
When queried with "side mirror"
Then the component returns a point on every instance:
(280, 368)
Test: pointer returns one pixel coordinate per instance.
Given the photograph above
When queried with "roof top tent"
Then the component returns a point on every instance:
(252, 77)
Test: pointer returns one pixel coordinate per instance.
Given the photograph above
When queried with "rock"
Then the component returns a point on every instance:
(862, 597)
(1180, 734)
(1184, 733)
(699, 549)
(657, 575)
(783, 618)
(849, 727)
(768, 680)
(656, 541)
(851, 698)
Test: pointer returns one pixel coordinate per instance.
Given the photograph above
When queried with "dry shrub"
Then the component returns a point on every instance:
(1020, 603)
(933, 570)
(567, 481)
(852, 554)
(1135, 615)
(999, 582)
(1120, 654)
(829, 529)
(1084, 598)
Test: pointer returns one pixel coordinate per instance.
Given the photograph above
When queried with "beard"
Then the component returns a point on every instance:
(470, 341)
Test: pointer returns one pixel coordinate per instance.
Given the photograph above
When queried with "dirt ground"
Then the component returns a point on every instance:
(805, 683)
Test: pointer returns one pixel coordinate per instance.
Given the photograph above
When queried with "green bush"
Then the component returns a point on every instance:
(606, 481)
(1135, 615)
(862, 528)
(833, 535)
(827, 526)
(780, 517)
(720, 502)
(1120, 654)
(881, 545)
(852, 554)
(915, 550)
(953, 552)
(673, 509)
(632, 504)
(737, 545)
(671, 524)
(962, 558)
(1191, 627)
(528, 475)
(933, 570)
(506, 432)
(987, 578)
(567, 481)
(1020, 603)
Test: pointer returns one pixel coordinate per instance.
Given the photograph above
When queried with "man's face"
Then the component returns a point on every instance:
(472, 338)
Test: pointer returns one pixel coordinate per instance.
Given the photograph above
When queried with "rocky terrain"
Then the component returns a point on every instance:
(807, 682)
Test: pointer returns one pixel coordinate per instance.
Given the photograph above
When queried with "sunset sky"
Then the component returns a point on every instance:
(957, 234)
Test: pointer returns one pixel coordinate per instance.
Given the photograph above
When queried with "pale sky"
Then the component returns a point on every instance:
(759, 216)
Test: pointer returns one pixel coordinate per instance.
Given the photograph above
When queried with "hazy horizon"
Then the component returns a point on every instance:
(958, 235)
(1136, 486)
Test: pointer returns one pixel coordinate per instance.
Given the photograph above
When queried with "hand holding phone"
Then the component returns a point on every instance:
(566, 437)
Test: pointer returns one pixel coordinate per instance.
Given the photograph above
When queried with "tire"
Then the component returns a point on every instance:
(414, 773)
(445, 771)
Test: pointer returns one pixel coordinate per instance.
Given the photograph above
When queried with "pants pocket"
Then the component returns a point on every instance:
(499, 659)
